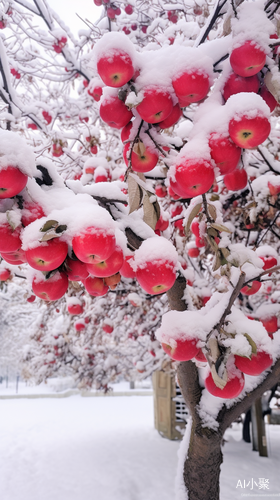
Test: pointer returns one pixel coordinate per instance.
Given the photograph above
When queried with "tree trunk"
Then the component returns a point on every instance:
(202, 466)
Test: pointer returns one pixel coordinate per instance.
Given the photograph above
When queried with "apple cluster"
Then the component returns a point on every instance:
(245, 356)
(85, 245)
(142, 109)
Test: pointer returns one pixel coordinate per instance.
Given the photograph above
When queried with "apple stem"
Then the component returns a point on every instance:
(209, 219)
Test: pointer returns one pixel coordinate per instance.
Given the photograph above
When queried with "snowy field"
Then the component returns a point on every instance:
(107, 449)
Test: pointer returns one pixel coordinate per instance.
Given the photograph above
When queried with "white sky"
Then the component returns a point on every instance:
(67, 9)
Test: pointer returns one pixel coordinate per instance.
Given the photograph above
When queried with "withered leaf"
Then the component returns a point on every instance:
(221, 227)
(151, 212)
(60, 229)
(50, 235)
(50, 224)
(135, 194)
(212, 211)
(218, 381)
(191, 217)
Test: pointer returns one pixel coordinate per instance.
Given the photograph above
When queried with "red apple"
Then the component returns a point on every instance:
(47, 117)
(144, 160)
(200, 242)
(252, 288)
(107, 328)
(184, 350)
(9, 239)
(156, 105)
(31, 211)
(79, 326)
(224, 152)
(12, 182)
(76, 270)
(195, 228)
(248, 59)
(157, 276)
(115, 68)
(75, 308)
(57, 150)
(125, 133)
(16, 258)
(31, 298)
(161, 191)
(236, 180)
(270, 324)
(114, 112)
(273, 189)
(52, 288)
(236, 84)
(268, 98)
(200, 357)
(193, 177)
(107, 267)
(94, 245)
(161, 224)
(268, 261)
(173, 118)
(193, 252)
(249, 132)
(232, 389)
(4, 274)
(96, 92)
(126, 270)
(191, 86)
(47, 255)
(258, 363)
(95, 286)
(128, 9)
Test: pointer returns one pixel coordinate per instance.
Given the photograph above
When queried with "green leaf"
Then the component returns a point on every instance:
(252, 343)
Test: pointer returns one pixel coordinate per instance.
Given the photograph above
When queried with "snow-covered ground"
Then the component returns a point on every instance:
(107, 449)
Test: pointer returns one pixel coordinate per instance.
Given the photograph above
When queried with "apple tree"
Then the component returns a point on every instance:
(146, 151)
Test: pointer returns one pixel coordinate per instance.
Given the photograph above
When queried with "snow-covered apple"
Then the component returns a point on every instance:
(4, 274)
(191, 86)
(156, 276)
(115, 68)
(156, 105)
(192, 177)
(114, 112)
(52, 288)
(224, 152)
(236, 84)
(181, 350)
(233, 387)
(75, 308)
(12, 181)
(252, 288)
(247, 59)
(249, 132)
(258, 363)
(94, 245)
(48, 255)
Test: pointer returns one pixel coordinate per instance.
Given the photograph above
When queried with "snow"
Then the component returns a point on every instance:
(15, 152)
(107, 448)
